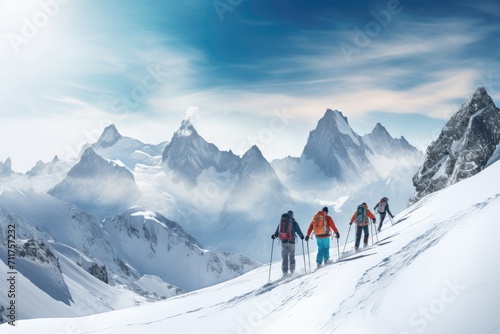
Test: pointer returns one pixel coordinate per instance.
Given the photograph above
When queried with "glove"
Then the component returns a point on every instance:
(273, 237)
(392, 216)
(374, 221)
(337, 235)
(350, 223)
(302, 237)
(307, 237)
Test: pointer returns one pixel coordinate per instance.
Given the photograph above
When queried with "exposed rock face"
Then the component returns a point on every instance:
(464, 147)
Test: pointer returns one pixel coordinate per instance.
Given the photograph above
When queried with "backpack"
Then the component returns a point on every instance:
(286, 224)
(319, 225)
(382, 205)
(361, 215)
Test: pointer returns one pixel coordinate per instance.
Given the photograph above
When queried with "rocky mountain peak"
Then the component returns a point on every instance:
(464, 147)
(109, 136)
(188, 154)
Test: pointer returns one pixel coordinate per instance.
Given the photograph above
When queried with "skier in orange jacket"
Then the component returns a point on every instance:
(322, 225)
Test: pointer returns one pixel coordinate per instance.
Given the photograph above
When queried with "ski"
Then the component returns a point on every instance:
(282, 279)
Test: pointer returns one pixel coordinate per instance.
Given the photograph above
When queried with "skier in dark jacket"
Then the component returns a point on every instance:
(286, 231)
(382, 208)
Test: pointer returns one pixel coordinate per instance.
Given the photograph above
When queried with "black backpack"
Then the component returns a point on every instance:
(286, 225)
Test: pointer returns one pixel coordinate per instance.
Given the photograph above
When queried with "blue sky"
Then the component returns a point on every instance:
(247, 72)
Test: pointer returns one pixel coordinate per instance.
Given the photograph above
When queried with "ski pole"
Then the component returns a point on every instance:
(392, 221)
(308, 255)
(271, 261)
(343, 251)
(338, 249)
(376, 232)
(304, 255)
(372, 234)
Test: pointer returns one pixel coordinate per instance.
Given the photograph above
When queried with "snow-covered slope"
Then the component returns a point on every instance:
(465, 145)
(432, 272)
(70, 263)
(152, 244)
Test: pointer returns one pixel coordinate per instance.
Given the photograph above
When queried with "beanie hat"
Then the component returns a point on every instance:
(325, 209)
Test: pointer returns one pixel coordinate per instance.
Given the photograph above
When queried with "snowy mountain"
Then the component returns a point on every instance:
(112, 145)
(380, 290)
(465, 145)
(338, 151)
(188, 155)
(66, 255)
(257, 187)
(97, 186)
(155, 245)
(57, 245)
(382, 167)
(253, 206)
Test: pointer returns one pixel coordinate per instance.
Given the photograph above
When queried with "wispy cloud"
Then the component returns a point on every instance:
(146, 64)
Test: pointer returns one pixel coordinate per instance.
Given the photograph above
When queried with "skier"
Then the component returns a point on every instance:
(286, 230)
(361, 216)
(382, 208)
(322, 224)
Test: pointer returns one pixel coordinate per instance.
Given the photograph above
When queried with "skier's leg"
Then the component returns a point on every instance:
(366, 235)
(291, 255)
(326, 252)
(284, 256)
(319, 256)
(358, 237)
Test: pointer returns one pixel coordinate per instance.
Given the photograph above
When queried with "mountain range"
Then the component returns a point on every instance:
(104, 217)
(431, 272)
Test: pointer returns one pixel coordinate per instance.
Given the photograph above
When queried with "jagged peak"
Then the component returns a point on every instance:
(334, 115)
(480, 91)
(479, 100)
(6, 166)
(380, 129)
(253, 152)
(89, 154)
(109, 136)
(55, 160)
(186, 129)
